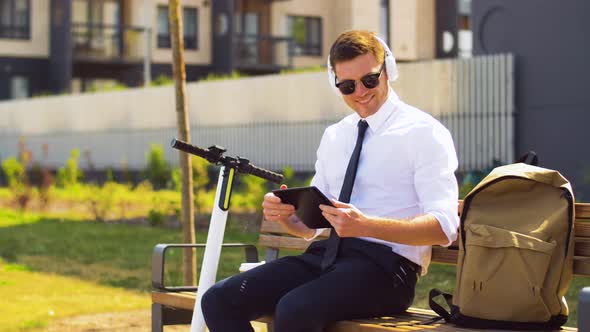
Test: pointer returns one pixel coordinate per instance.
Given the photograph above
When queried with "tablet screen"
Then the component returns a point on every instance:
(306, 201)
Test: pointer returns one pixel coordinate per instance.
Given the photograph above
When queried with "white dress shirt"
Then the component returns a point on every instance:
(406, 169)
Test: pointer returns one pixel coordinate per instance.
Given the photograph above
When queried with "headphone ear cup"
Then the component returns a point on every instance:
(391, 68)
(390, 65)
(332, 79)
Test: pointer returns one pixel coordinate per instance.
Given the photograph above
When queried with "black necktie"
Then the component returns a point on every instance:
(334, 240)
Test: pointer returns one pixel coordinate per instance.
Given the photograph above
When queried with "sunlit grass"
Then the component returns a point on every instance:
(32, 299)
(75, 266)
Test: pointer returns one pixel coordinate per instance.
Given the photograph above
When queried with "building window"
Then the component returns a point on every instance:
(15, 19)
(306, 33)
(19, 87)
(190, 28)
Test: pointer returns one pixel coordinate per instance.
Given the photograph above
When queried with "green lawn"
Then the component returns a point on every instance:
(53, 267)
(60, 267)
(31, 299)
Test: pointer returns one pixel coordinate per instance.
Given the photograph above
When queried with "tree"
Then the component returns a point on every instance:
(189, 261)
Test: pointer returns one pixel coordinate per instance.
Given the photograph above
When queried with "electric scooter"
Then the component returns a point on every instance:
(229, 168)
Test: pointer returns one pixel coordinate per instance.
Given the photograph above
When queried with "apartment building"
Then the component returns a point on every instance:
(57, 46)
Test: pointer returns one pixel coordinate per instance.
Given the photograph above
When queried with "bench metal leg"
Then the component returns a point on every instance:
(157, 315)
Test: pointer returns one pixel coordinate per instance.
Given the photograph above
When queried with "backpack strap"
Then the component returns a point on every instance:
(429, 321)
(529, 158)
(442, 312)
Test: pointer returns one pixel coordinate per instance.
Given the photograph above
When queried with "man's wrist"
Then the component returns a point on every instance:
(311, 234)
(370, 227)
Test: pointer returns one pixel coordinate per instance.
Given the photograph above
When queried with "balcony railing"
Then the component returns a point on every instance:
(164, 41)
(108, 42)
(15, 31)
(263, 53)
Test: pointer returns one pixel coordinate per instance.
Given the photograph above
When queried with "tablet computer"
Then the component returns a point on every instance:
(306, 201)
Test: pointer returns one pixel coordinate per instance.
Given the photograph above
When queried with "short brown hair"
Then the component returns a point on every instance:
(351, 44)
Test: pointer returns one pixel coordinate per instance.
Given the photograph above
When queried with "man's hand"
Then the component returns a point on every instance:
(346, 219)
(275, 210)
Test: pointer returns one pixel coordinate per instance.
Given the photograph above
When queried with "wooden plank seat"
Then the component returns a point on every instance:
(172, 306)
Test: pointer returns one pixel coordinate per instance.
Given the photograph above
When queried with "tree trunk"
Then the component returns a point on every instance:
(189, 261)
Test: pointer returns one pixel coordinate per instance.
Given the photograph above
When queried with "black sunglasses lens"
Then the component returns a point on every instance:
(346, 87)
(370, 81)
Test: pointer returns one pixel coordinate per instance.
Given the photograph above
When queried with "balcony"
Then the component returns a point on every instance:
(263, 54)
(15, 32)
(108, 43)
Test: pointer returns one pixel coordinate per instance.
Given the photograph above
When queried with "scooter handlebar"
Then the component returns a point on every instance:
(215, 156)
(261, 173)
(195, 150)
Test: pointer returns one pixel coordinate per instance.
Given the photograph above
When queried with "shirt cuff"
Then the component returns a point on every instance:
(318, 231)
(447, 224)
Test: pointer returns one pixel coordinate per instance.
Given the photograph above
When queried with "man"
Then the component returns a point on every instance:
(391, 166)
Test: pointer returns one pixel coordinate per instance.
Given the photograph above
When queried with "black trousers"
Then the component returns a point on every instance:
(367, 280)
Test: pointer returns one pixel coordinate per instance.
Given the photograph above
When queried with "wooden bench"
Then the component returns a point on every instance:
(175, 306)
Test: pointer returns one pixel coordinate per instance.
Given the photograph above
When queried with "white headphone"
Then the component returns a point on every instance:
(390, 67)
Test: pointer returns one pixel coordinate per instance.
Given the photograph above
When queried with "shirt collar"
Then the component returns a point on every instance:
(376, 120)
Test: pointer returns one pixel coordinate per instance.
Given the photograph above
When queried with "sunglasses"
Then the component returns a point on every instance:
(370, 81)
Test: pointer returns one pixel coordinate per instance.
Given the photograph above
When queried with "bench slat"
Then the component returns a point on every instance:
(582, 247)
(186, 300)
(582, 228)
(276, 228)
(583, 210)
(181, 300)
(283, 242)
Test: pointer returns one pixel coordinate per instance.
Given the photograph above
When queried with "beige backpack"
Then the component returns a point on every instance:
(515, 252)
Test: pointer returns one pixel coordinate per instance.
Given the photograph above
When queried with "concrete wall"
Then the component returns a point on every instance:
(287, 98)
(38, 45)
(429, 85)
(413, 29)
(274, 120)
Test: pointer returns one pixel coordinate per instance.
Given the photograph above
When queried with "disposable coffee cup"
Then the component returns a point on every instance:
(247, 266)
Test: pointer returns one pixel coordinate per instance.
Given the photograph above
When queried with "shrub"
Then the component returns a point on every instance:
(211, 77)
(200, 168)
(291, 180)
(251, 193)
(162, 210)
(162, 80)
(158, 170)
(156, 217)
(18, 181)
(42, 178)
(465, 188)
(102, 199)
(15, 172)
(106, 86)
(70, 175)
